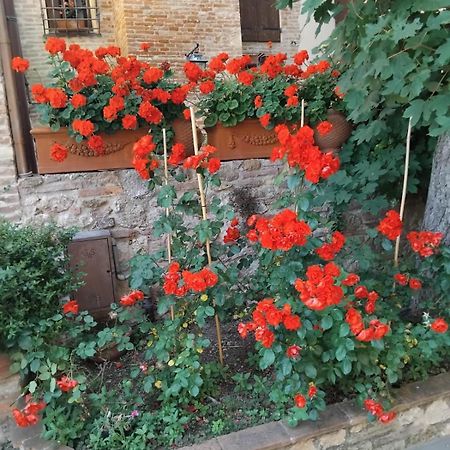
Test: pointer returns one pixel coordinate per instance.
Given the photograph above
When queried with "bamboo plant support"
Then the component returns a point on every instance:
(405, 185)
(205, 217)
(169, 237)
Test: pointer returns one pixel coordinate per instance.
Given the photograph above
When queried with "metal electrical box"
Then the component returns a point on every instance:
(91, 253)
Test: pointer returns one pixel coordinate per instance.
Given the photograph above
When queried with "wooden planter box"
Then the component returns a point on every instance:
(118, 152)
(247, 140)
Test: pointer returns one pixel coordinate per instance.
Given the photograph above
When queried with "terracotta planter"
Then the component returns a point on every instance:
(338, 135)
(118, 151)
(246, 140)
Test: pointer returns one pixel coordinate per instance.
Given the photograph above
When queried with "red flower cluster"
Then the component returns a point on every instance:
(329, 251)
(323, 128)
(424, 243)
(143, 162)
(403, 279)
(194, 281)
(350, 280)
(97, 144)
(281, 232)
(303, 153)
(300, 400)
(66, 384)
(20, 64)
(265, 314)
(264, 120)
(28, 415)
(439, 325)
(70, 307)
(132, 298)
(56, 97)
(376, 330)
(232, 234)
(83, 127)
(319, 291)
(177, 154)
(58, 152)
(391, 226)
(203, 160)
(376, 409)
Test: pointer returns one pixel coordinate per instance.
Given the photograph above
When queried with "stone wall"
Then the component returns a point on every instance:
(423, 414)
(120, 202)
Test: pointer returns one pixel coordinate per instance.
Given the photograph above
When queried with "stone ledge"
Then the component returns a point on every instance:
(338, 419)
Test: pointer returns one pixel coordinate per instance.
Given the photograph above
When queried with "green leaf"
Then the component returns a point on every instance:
(346, 366)
(310, 371)
(32, 386)
(326, 323)
(211, 120)
(341, 352)
(267, 359)
(166, 196)
(344, 330)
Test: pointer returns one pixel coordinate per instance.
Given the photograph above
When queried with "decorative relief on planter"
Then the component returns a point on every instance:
(246, 140)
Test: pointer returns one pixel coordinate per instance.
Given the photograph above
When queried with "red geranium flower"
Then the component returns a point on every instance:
(83, 127)
(439, 325)
(293, 351)
(96, 143)
(424, 243)
(57, 97)
(58, 152)
(78, 100)
(415, 283)
(323, 128)
(20, 64)
(301, 57)
(207, 86)
(66, 384)
(312, 391)
(401, 279)
(258, 101)
(391, 226)
(129, 122)
(55, 45)
(350, 280)
(70, 307)
(300, 401)
(265, 120)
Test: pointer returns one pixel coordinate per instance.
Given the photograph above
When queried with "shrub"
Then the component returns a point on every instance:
(33, 276)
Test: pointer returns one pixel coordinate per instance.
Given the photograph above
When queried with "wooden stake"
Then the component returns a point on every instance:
(201, 190)
(405, 185)
(169, 237)
(302, 120)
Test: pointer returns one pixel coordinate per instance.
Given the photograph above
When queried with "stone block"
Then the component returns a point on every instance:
(269, 436)
(438, 411)
(410, 416)
(333, 439)
(304, 445)
(330, 420)
(212, 444)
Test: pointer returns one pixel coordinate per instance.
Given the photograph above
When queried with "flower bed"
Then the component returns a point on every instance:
(322, 313)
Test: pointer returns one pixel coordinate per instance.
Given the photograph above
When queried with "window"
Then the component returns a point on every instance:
(70, 17)
(260, 21)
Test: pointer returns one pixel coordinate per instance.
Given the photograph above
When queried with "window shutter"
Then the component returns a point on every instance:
(269, 21)
(249, 20)
(260, 21)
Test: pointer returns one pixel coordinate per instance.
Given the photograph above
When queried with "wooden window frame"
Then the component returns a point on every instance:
(70, 17)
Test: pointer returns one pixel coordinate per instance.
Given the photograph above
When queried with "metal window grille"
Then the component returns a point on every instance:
(69, 17)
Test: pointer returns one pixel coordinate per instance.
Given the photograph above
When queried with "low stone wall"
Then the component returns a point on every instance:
(423, 413)
(120, 201)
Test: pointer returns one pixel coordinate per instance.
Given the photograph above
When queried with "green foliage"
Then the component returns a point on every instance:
(34, 276)
(395, 61)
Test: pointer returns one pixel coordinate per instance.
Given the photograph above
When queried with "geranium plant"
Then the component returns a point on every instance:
(230, 91)
(92, 92)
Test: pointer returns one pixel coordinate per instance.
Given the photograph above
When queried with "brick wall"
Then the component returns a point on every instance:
(173, 27)
(32, 37)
